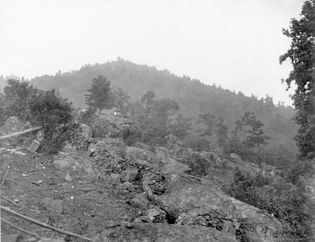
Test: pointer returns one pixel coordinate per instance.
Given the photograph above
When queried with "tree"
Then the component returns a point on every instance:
(153, 116)
(99, 95)
(121, 101)
(302, 56)
(251, 128)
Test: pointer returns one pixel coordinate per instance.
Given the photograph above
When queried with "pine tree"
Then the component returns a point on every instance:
(99, 95)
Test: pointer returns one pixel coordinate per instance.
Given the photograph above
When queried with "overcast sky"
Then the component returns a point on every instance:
(234, 44)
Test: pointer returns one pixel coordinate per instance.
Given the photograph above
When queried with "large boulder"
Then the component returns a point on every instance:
(172, 166)
(75, 163)
(115, 127)
(191, 201)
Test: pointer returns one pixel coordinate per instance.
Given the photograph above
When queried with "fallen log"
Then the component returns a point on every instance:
(8, 210)
(20, 132)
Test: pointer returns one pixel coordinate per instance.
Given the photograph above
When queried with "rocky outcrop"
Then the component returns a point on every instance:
(175, 195)
(187, 200)
(115, 127)
(191, 201)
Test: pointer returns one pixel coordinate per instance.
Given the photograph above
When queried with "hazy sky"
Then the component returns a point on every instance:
(235, 44)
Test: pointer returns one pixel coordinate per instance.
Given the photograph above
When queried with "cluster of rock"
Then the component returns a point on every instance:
(176, 191)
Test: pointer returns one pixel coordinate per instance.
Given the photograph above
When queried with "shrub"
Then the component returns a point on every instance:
(54, 115)
(278, 197)
(298, 169)
(87, 116)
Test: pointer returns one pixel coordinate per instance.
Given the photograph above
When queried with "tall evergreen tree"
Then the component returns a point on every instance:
(302, 56)
(99, 95)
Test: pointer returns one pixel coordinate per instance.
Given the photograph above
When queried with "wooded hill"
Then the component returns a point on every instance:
(193, 96)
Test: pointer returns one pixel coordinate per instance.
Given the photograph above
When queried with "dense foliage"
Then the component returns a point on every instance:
(302, 56)
(54, 114)
(280, 198)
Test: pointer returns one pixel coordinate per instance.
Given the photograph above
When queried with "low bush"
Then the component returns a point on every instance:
(278, 197)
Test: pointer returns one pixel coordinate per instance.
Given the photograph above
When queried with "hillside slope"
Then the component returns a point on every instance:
(193, 96)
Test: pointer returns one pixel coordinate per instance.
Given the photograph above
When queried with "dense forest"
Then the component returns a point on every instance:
(194, 98)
